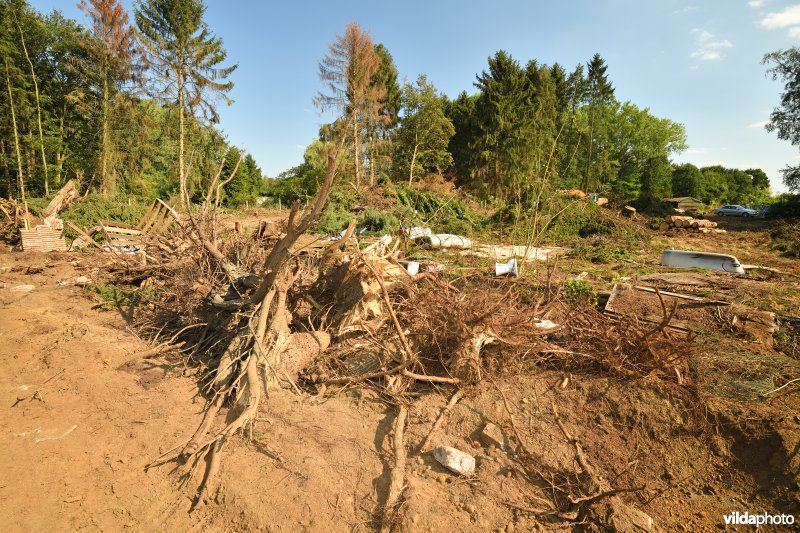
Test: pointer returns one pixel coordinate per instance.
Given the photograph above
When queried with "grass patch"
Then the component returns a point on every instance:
(114, 296)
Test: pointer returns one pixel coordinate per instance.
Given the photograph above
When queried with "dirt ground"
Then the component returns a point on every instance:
(83, 414)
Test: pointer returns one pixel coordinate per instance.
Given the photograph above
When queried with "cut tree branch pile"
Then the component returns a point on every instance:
(260, 315)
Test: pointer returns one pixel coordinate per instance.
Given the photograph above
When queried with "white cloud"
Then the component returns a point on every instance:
(759, 124)
(794, 32)
(781, 19)
(756, 3)
(705, 56)
(687, 9)
(708, 46)
(696, 151)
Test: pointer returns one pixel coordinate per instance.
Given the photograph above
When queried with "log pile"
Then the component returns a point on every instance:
(689, 223)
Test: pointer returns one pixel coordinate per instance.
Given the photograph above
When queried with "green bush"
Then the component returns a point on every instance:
(442, 214)
(94, 207)
(577, 289)
(787, 206)
(601, 250)
(656, 208)
(378, 222)
(786, 239)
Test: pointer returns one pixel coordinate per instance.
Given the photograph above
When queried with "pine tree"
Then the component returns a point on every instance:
(505, 127)
(112, 52)
(183, 57)
(599, 91)
(348, 71)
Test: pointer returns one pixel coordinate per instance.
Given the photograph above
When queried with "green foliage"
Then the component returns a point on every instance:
(94, 207)
(785, 119)
(687, 180)
(654, 207)
(786, 239)
(446, 215)
(601, 250)
(121, 297)
(375, 221)
(788, 205)
(425, 132)
(720, 185)
(577, 289)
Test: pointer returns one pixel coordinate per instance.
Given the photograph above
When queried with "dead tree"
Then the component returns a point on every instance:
(249, 364)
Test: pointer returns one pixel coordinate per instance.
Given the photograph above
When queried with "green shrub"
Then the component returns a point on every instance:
(378, 222)
(94, 207)
(656, 208)
(442, 214)
(120, 296)
(786, 239)
(577, 289)
(787, 206)
(601, 250)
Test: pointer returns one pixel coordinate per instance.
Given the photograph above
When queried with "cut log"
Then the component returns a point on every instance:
(68, 194)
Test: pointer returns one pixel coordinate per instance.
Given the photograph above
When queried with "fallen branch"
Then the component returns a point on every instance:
(398, 474)
(440, 419)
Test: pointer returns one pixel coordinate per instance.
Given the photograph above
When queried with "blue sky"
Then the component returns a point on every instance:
(697, 63)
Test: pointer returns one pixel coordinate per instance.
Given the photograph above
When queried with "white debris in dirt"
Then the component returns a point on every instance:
(455, 460)
(23, 288)
(446, 240)
(523, 253)
(545, 324)
(417, 232)
(80, 281)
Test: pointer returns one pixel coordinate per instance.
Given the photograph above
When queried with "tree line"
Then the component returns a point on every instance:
(128, 105)
(124, 107)
(525, 130)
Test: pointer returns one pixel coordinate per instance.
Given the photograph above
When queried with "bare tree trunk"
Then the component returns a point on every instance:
(372, 162)
(6, 171)
(413, 162)
(60, 156)
(20, 177)
(181, 175)
(38, 109)
(356, 150)
(108, 185)
(591, 144)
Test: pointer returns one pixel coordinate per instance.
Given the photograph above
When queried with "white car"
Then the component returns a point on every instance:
(735, 210)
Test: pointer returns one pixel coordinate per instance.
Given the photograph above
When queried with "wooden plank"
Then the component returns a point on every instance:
(122, 231)
(153, 218)
(85, 235)
(149, 210)
(111, 223)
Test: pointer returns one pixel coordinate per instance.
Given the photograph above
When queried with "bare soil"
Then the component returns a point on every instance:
(82, 414)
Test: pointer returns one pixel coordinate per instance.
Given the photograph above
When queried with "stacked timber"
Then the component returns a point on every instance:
(689, 223)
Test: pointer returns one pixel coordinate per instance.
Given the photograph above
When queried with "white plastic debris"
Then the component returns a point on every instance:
(710, 261)
(545, 324)
(502, 269)
(455, 460)
(447, 240)
(413, 268)
(416, 232)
